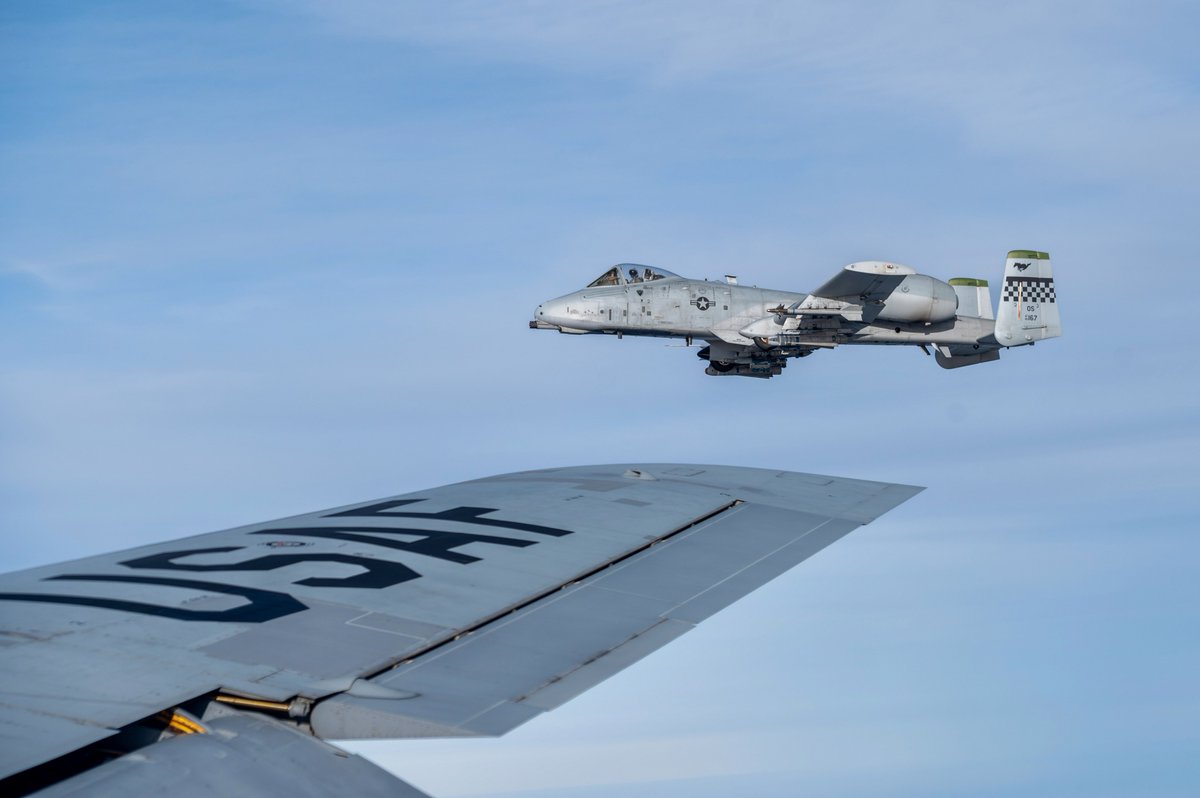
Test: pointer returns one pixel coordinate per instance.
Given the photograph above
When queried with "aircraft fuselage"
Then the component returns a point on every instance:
(678, 307)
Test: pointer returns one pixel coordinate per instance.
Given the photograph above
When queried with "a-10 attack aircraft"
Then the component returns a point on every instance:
(752, 332)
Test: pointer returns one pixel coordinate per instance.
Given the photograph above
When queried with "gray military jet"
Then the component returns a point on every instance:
(753, 332)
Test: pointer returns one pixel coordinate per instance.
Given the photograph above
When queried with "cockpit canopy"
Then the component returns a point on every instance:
(627, 273)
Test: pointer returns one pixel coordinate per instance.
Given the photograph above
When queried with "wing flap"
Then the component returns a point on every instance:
(507, 672)
(29, 736)
(237, 754)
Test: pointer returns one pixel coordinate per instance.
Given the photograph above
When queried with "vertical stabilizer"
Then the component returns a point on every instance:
(973, 297)
(1028, 310)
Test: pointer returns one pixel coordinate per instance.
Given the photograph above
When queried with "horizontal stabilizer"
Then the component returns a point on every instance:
(958, 361)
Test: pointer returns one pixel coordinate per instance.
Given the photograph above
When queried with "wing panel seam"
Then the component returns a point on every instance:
(493, 619)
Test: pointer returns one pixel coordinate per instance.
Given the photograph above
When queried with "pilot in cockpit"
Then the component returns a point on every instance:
(648, 275)
(633, 276)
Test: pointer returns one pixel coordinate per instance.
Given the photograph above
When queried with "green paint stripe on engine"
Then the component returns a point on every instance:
(968, 281)
(1032, 254)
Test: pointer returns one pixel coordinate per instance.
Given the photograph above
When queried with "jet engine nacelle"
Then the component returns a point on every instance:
(920, 298)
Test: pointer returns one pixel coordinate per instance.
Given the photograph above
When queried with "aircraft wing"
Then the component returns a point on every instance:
(216, 664)
(864, 282)
(856, 293)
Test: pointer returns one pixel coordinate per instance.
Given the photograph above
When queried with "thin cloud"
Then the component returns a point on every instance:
(1017, 79)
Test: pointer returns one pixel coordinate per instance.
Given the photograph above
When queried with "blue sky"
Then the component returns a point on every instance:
(259, 258)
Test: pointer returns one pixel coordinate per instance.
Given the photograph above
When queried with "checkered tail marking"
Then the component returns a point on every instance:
(1028, 289)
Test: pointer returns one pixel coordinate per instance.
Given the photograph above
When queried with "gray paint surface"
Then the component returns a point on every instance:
(575, 573)
(240, 755)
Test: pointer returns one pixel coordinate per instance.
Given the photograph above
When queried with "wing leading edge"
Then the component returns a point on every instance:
(462, 610)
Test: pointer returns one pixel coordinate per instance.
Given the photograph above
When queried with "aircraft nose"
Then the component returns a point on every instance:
(544, 317)
(564, 315)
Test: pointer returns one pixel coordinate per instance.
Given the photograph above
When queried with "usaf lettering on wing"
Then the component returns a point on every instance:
(265, 605)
